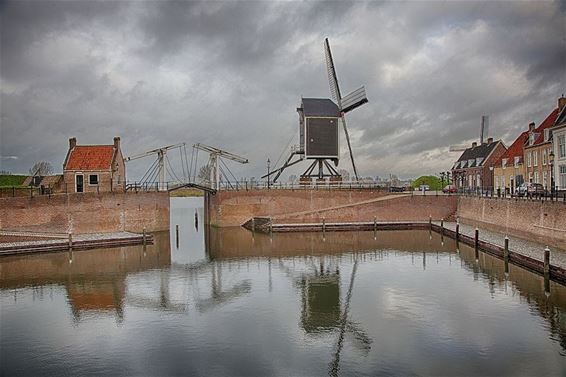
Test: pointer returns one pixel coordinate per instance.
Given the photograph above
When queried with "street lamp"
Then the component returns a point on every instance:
(551, 163)
(268, 166)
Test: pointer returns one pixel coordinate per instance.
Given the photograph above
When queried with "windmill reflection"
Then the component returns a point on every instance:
(322, 308)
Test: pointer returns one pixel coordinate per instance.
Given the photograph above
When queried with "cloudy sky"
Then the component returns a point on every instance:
(231, 74)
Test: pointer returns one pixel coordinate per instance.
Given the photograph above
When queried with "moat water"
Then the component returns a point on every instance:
(222, 302)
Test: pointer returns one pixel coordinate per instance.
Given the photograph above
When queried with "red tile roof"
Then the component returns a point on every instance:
(516, 149)
(90, 157)
(547, 123)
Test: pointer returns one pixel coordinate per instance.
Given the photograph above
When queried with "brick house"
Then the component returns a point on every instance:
(474, 169)
(509, 172)
(94, 168)
(537, 149)
(558, 136)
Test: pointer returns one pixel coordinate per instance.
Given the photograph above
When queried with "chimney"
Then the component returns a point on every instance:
(72, 142)
(489, 140)
(561, 103)
(531, 126)
(474, 144)
(117, 142)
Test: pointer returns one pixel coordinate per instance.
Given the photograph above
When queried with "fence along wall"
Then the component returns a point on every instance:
(86, 212)
(541, 221)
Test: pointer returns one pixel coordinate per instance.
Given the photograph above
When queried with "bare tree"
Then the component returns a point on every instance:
(41, 168)
(204, 174)
(345, 174)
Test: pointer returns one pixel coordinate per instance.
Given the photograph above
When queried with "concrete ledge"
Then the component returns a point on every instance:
(20, 248)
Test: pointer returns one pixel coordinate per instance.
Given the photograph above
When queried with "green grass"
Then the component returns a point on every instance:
(9, 180)
(433, 182)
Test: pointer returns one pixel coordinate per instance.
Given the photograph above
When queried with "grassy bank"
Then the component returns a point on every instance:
(9, 180)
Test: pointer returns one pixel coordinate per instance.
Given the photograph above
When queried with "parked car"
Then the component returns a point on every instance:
(449, 189)
(424, 188)
(396, 189)
(531, 189)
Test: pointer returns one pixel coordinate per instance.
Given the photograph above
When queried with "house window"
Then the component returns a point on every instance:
(535, 158)
(544, 157)
(536, 177)
(529, 157)
(546, 134)
(504, 163)
(562, 176)
(516, 162)
(93, 179)
(545, 179)
(562, 146)
(530, 176)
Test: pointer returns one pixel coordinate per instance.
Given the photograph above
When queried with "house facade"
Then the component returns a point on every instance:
(474, 169)
(509, 171)
(559, 147)
(94, 168)
(537, 150)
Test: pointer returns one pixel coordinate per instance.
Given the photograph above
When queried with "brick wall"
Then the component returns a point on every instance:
(233, 208)
(544, 222)
(86, 213)
(104, 181)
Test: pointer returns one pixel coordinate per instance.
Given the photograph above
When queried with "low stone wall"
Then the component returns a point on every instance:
(540, 221)
(86, 213)
(234, 208)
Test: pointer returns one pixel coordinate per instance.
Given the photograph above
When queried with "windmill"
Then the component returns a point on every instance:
(318, 129)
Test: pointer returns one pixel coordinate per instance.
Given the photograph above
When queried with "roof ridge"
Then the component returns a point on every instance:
(94, 145)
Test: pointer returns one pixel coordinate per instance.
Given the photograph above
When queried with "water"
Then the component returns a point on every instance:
(399, 303)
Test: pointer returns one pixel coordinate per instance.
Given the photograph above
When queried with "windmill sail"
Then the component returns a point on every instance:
(335, 92)
(332, 79)
(355, 99)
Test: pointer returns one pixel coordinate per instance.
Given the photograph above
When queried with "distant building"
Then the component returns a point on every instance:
(558, 135)
(92, 168)
(509, 171)
(474, 168)
(537, 149)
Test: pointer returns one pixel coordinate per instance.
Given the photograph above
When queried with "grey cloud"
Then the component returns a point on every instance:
(231, 74)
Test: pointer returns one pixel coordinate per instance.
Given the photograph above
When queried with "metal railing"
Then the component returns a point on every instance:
(506, 193)
(326, 185)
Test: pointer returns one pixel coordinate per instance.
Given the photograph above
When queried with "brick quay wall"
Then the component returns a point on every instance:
(86, 213)
(233, 208)
(540, 221)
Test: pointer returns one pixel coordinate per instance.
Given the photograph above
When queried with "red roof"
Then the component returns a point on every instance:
(516, 149)
(90, 157)
(547, 123)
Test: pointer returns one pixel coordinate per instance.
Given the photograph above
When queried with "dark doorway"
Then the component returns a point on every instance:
(79, 183)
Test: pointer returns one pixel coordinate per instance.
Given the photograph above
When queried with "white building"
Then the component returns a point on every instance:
(559, 146)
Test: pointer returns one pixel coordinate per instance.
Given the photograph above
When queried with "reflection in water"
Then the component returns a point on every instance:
(95, 280)
(223, 302)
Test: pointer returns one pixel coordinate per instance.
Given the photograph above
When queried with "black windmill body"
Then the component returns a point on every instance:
(319, 120)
